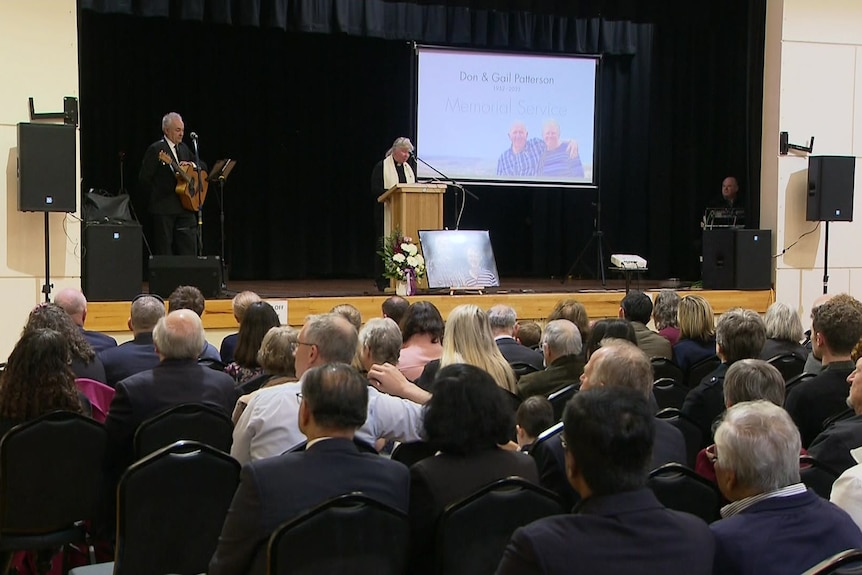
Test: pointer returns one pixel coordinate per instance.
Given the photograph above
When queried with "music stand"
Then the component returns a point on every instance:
(221, 170)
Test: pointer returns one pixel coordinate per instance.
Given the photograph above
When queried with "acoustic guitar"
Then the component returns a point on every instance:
(191, 189)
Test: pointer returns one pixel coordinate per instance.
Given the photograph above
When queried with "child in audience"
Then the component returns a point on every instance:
(535, 415)
(529, 334)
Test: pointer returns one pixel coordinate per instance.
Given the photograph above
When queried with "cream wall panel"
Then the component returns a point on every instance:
(787, 287)
(826, 21)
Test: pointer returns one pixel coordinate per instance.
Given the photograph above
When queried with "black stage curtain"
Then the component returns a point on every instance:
(308, 115)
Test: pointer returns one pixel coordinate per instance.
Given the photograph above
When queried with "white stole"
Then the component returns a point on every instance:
(390, 174)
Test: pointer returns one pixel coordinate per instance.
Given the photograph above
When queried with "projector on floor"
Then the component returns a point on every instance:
(628, 261)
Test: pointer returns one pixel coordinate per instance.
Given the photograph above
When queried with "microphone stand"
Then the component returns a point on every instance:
(456, 185)
(200, 205)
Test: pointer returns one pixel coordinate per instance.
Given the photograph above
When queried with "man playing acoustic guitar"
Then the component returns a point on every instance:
(169, 177)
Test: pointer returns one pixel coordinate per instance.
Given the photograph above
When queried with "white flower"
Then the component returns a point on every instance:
(411, 261)
(411, 249)
(405, 247)
(420, 260)
(399, 258)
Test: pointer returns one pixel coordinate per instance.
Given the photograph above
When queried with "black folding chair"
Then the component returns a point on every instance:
(679, 487)
(690, 432)
(50, 483)
(701, 369)
(547, 452)
(817, 476)
(522, 368)
(189, 421)
(410, 453)
(663, 368)
(669, 392)
(560, 397)
(789, 364)
(794, 381)
(348, 535)
(473, 533)
(847, 562)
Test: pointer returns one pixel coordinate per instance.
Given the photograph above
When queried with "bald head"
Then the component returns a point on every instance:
(729, 188)
(74, 303)
(325, 338)
(179, 335)
(618, 363)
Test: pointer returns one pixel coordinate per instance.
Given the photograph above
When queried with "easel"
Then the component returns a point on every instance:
(220, 172)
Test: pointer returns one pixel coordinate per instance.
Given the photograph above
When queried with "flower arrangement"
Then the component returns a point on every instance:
(401, 258)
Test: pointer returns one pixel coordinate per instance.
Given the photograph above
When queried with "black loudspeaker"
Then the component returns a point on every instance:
(112, 262)
(831, 180)
(737, 259)
(47, 180)
(169, 272)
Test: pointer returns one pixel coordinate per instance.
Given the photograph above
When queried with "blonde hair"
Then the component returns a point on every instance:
(241, 302)
(468, 339)
(696, 319)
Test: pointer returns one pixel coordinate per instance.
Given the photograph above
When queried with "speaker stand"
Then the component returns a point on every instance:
(46, 287)
(826, 259)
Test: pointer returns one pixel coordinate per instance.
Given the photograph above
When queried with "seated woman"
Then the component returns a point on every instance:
(422, 332)
(696, 332)
(258, 319)
(466, 420)
(240, 304)
(575, 312)
(783, 332)
(38, 379)
(609, 328)
(277, 359)
(85, 362)
(665, 315)
(468, 339)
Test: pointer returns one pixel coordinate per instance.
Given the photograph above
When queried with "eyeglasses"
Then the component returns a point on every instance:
(299, 396)
(305, 343)
(563, 441)
(712, 454)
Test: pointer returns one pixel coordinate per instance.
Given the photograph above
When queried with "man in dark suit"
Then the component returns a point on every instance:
(75, 305)
(561, 350)
(277, 489)
(139, 354)
(773, 519)
(178, 379)
(608, 437)
(503, 325)
(832, 447)
(174, 227)
(636, 307)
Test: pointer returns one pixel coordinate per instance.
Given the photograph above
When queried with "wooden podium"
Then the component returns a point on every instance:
(413, 207)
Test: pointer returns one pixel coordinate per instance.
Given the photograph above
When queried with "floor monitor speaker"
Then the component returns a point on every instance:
(169, 272)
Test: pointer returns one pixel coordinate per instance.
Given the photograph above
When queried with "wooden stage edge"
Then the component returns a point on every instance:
(112, 316)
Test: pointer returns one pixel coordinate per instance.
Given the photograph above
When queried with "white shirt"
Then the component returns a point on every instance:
(269, 426)
(847, 489)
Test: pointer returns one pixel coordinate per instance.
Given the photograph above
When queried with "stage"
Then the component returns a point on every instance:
(532, 299)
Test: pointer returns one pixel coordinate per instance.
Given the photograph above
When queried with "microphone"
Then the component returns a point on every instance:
(193, 136)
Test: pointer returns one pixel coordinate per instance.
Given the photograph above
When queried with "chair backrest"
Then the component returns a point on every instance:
(817, 476)
(472, 533)
(348, 535)
(50, 473)
(789, 364)
(700, 370)
(690, 432)
(663, 368)
(522, 368)
(847, 562)
(669, 392)
(794, 381)
(410, 453)
(680, 488)
(189, 421)
(560, 397)
(171, 506)
(99, 394)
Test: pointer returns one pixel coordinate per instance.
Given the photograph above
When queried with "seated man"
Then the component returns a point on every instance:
(620, 526)
(774, 524)
(561, 347)
(190, 297)
(274, 490)
(834, 445)
(534, 415)
(74, 304)
(139, 354)
(503, 319)
(637, 308)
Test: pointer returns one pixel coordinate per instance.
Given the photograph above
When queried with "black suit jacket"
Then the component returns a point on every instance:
(514, 352)
(811, 402)
(438, 481)
(158, 181)
(277, 489)
(629, 532)
(98, 341)
(129, 358)
(143, 395)
(832, 447)
(706, 402)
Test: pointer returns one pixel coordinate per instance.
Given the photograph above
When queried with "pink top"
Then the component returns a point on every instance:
(416, 352)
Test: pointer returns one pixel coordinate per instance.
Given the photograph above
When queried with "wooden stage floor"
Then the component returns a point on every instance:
(532, 298)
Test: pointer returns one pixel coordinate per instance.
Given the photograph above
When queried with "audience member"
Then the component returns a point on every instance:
(379, 342)
(268, 425)
(74, 303)
(812, 363)
(834, 445)
(609, 329)
(774, 524)
(395, 307)
(139, 354)
(620, 526)
(636, 307)
(190, 297)
(503, 320)
(529, 334)
(746, 380)
(277, 358)
(847, 489)
(259, 318)
(422, 332)
(783, 332)
(275, 490)
(38, 380)
(534, 415)
(740, 334)
(84, 361)
(466, 419)
(836, 328)
(696, 332)
(177, 379)
(468, 339)
(240, 303)
(349, 312)
(664, 315)
(575, 312)
(561, 347)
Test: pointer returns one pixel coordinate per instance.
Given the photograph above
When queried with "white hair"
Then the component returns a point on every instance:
(401, 143)
(563, 337)
(169, 118)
